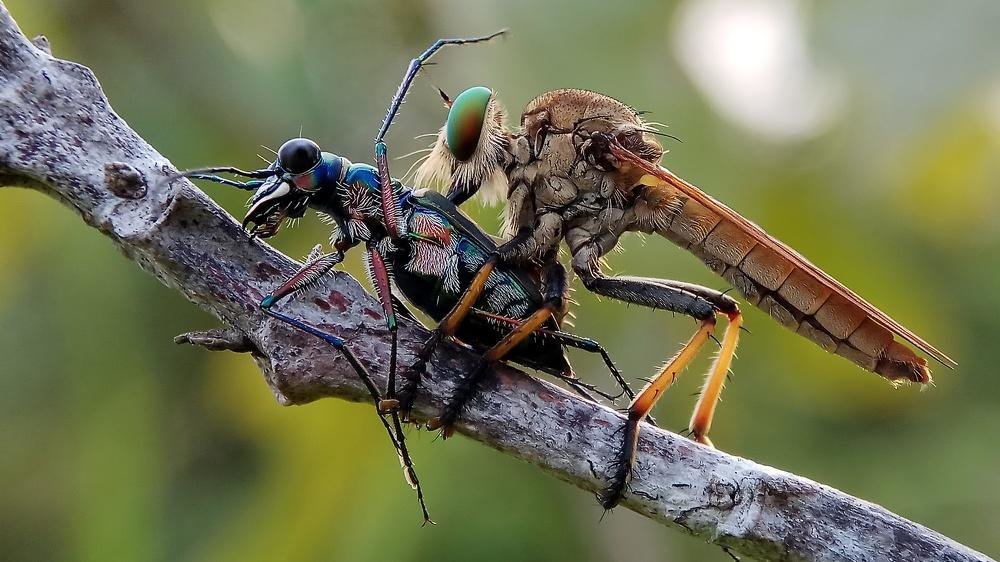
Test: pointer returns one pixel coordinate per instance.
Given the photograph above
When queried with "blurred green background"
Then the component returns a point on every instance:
(865, 135)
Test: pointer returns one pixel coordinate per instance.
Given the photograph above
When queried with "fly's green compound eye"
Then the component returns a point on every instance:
(465, 121)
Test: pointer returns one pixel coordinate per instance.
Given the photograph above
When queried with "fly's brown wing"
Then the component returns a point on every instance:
(780, 281)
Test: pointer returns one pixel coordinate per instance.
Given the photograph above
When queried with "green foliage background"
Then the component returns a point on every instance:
(119, 445)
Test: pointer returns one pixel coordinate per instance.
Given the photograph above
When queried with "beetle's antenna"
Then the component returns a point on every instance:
(413, 69)
(255, 174)
(209, 174)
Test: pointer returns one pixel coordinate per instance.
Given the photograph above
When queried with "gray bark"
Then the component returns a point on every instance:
(59, 135)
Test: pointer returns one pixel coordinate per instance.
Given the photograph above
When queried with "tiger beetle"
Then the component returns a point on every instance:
(419, 243)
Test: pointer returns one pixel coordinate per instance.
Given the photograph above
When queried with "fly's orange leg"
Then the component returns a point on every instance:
(576, 342)
(445, 329)
(555, 293)
(701, 303)
(467, 387)
(704, 410)
(621, 469)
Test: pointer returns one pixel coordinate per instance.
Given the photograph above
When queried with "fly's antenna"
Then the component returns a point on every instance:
(444, 96)
(652, 127)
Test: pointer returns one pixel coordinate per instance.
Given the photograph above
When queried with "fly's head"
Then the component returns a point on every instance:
(285, 195)
(472, 148)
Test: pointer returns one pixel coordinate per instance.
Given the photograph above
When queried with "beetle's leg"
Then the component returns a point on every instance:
(311, 272)
(577, 342)
(701, 303)
(305, 276)
(379, 274)
(414, 68)
(395, 431)
(389, 196)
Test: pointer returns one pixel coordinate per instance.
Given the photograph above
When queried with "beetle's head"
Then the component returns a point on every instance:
(285, 195)
(282, 191)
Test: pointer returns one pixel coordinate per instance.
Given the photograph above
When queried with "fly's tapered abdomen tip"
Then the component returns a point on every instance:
(899, 363)
(897, 372)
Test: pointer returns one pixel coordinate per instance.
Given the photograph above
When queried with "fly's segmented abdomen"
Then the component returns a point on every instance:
(791, 295)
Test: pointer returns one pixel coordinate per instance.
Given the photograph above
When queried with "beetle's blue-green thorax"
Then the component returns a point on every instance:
(465, 121)
(327, 173)
(336, 183)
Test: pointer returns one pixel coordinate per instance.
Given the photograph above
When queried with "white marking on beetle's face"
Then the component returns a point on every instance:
(267, 194)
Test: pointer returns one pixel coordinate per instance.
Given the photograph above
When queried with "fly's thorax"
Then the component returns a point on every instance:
(554, 188)
(609, 221)
(584, 114)
(520, 150)
(567, 132)
(554, 191)
(567, 108)
(557, 175)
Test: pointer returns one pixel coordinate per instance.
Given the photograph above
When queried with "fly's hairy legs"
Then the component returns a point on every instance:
(702, 304)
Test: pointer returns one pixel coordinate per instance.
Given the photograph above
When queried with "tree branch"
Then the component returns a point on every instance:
(60, 136)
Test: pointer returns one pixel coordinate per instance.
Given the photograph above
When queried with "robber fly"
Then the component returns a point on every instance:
(583, 168)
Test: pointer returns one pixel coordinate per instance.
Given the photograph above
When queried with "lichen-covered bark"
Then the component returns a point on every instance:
(59, 135)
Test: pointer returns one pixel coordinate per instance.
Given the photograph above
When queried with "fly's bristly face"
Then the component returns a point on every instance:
(471, 148)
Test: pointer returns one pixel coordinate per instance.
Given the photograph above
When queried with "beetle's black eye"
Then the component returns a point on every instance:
(298, 156)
